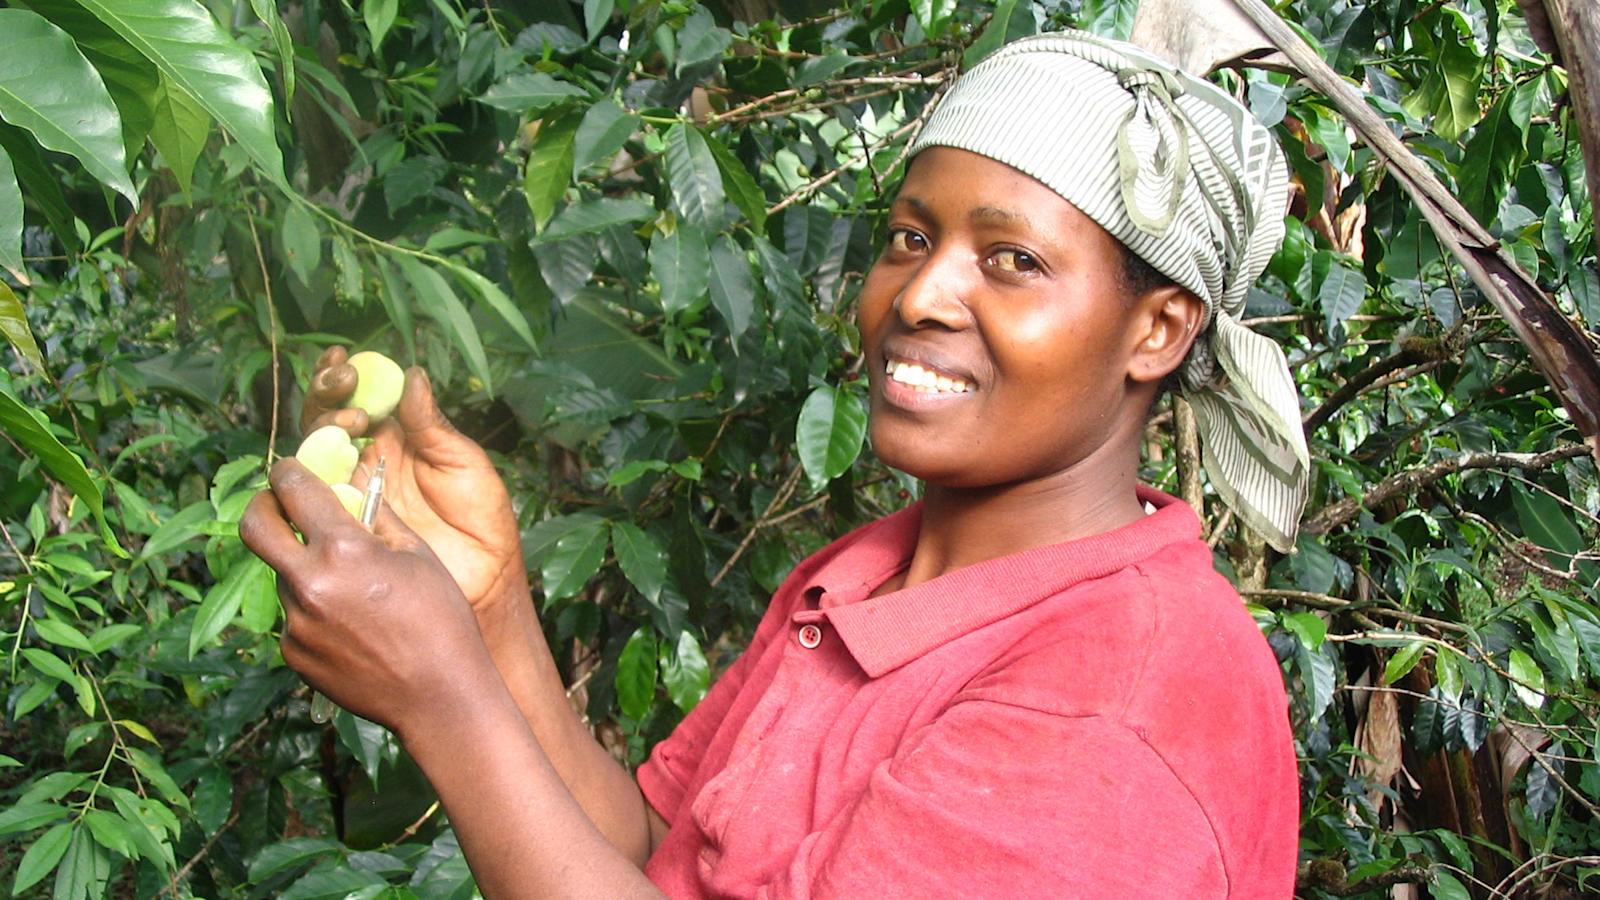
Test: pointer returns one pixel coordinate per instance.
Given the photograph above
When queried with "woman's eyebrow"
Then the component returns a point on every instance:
(981, 215)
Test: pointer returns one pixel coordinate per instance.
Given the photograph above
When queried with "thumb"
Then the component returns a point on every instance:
(426, 428)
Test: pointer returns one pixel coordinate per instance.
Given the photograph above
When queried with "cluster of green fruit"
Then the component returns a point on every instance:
(328, 451)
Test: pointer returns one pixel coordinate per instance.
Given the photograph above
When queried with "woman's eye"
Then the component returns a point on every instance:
(907, 241)
(1015, 261)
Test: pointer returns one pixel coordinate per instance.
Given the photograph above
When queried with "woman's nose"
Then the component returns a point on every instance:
(934, 297)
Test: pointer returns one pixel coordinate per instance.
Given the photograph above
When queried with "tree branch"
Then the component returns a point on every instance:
(1412, 352)
(1337, 515)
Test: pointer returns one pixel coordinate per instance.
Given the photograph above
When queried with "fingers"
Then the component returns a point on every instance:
(268, 534)
(396, 534)
(426, 429)
(306, 501)
(332, 384)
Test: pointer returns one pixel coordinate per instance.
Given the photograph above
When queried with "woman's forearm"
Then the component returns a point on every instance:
(603, 788)
(523, 833)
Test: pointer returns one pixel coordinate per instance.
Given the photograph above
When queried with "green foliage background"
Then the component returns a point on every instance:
(625, 238)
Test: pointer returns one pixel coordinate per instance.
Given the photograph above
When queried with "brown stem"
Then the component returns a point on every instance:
(1411, 352)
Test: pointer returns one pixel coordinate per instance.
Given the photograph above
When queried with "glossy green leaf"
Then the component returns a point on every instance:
(288, 854)
(1402, 662)
(267, 12)
(525, 92)
(696, 181)
(1528, 679)
(129, 78)
(183, 526)
(48, 88)
(685, 672)
(594, 216)
(1005, 26)
(1310, 628)
(28, 816)
(440, 302)
(574, 560)
(14, 325)
(642, 559)
(701, 39)
(496, 299)
(258, 603)
(596, 14)
(223, 601)
(681, 264)
(194, 54)
(213, 797)
(733, 288)
(549, 170)
(1447, 887)
(41, 857)
(63, 465)
(738, 185)
(830, 432)
(10, 237)
(39, 185)
(379, 16)
(933, 15)
(1488, 162)
(49, 664)
(1545, 522)
(62, 635)
(1341, 294)
(604, 129)
(636, 674)
(179, 131)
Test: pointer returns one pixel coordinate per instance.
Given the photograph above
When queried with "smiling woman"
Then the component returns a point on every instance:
(1031, 683)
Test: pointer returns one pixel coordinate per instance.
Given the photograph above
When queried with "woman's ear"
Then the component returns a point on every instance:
(1169, 317)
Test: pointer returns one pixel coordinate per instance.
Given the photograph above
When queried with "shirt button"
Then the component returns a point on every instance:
(810, 636)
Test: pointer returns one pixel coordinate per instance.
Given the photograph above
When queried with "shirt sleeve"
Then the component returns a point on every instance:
(994, 800)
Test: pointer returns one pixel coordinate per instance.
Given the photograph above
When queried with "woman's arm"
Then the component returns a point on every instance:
(375, 621)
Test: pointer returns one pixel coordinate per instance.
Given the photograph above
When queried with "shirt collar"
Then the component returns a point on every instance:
(886, 632)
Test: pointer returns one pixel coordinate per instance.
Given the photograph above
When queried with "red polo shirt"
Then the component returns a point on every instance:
(1099, 718)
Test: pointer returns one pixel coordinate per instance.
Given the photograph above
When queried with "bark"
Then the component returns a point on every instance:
(1560, 349)
(1576, 24)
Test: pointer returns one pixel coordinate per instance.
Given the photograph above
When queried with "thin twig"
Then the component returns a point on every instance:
(778, 499)
(186, 868)
(1339, 604)
(272, 335)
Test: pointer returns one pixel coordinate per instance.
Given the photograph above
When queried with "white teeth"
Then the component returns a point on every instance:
(924, 380)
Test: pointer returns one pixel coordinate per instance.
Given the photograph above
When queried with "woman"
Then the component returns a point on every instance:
(1031, 683)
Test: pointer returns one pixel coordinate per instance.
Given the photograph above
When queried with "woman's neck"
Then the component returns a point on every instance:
(963, 526)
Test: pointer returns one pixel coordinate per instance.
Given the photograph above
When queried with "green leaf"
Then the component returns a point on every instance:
(1489, 160)
(681, 264)
(830, 431)
(379, 15)
(1402, 662)
(62, 635)
(258, 605)
(1447, 887)
(524, 92)
(1461, 71)
(700, 39)
(50, 664)
(594, 216)
(288, 854)
(1545, 523)
(549, 171)
(1528, 679)
(490, 293)
(28, 816)
(575, 559)
(42, 857)
(14, 323)
(11, 240)
(302, 241)
(1341, 294)
(63, 465)
(39, 185)
(1308, 627)
(129, 78)
(331, 881)
(440, 302)
(604, 130)
(1004, 27)
(636, 675)
(696, 182)
(48, 88)
(739, 185)
(213, 797)
(179, 131)
(184, 525)
(193, 53)
(733, 288)
(596, 13)
(685, 672)
(934, 15)
(641, 559)
(266, 11)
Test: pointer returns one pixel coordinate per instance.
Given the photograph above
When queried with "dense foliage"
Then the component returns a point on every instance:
(625, 237)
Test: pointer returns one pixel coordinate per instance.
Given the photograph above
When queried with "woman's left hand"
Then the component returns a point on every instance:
(372, 619)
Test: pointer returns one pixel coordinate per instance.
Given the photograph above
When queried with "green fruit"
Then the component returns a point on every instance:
(379, 383)
(328, 453)
(351, 496)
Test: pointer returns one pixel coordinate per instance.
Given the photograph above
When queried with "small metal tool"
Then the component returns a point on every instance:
(323, 709)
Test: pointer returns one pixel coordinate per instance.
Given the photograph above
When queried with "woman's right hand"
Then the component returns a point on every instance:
(440, 483)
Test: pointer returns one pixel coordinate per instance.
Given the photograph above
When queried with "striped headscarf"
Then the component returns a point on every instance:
(1186, 179)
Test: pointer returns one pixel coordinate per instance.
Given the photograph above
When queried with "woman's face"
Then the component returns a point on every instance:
(997, 332)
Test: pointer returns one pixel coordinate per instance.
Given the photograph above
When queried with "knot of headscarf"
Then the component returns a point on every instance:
(1189, 181)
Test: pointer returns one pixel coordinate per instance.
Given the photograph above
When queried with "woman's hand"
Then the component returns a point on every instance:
(440, 483)
(372, 619)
